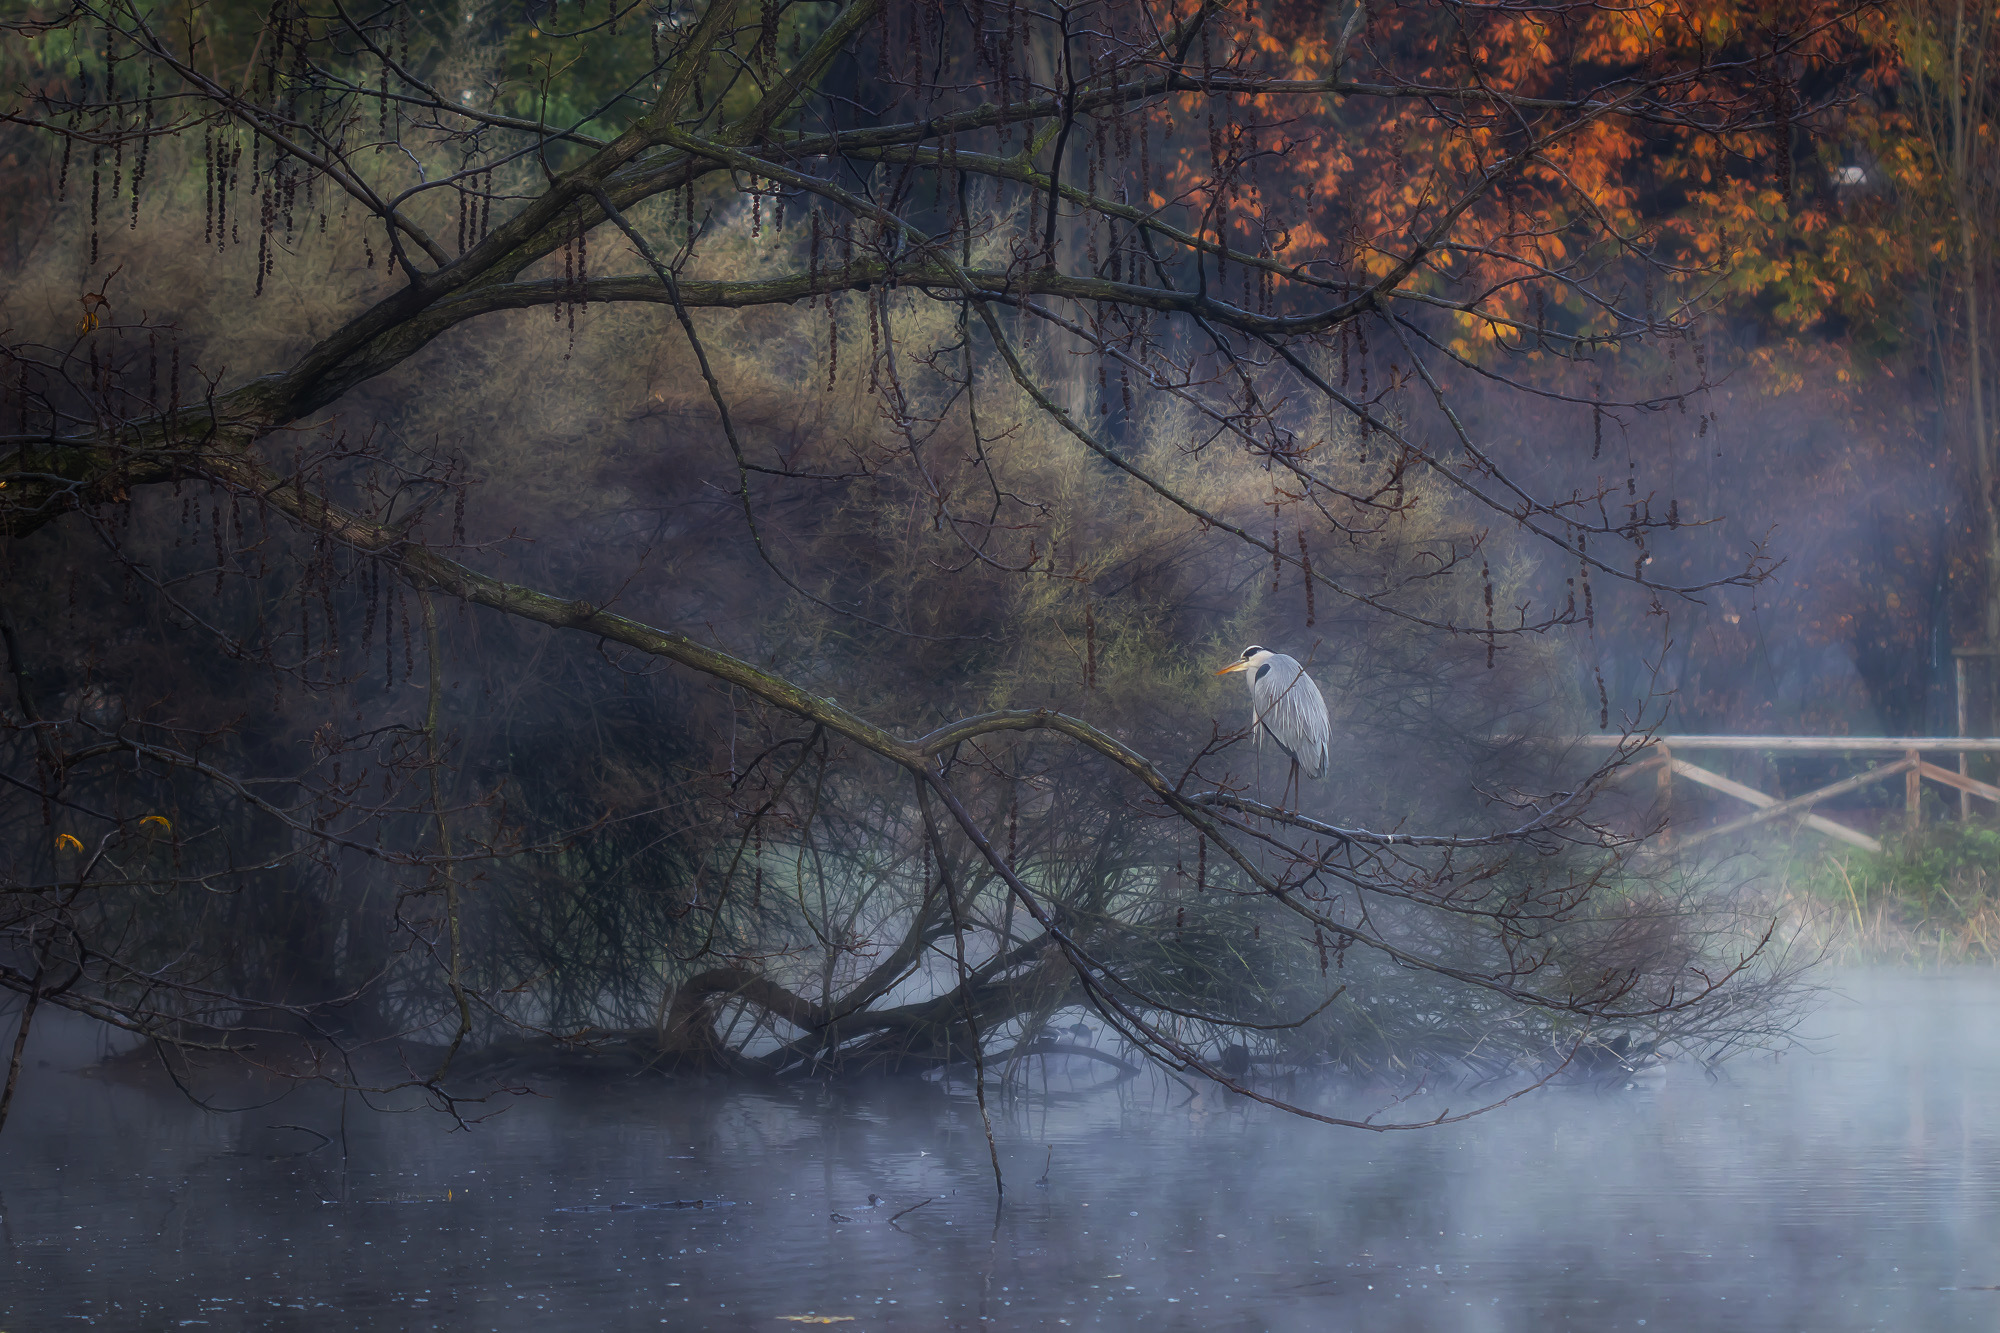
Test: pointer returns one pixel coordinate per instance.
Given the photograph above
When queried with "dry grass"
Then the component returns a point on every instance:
(1932, 900)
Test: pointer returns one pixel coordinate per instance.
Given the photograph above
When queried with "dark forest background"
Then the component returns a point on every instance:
(704, 534)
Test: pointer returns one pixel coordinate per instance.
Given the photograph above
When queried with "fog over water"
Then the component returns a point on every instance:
(1852, 1185)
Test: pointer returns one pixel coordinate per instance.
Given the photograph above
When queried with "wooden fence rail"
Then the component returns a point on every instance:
(1660, 758)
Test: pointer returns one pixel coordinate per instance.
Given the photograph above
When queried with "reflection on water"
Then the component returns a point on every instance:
(1855, 1186)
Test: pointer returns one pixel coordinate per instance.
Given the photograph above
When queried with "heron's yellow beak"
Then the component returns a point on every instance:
(1233, 666)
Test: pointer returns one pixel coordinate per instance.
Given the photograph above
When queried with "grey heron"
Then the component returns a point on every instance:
(1286, 706)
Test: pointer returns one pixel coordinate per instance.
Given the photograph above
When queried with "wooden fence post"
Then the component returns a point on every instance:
(1964, 759)
(1913, 792)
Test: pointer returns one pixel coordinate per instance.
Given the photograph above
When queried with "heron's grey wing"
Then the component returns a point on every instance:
(1294, 713)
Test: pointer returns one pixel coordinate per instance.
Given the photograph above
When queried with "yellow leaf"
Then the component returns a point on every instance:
(161, 820)
(818, 1318)
(66, 842)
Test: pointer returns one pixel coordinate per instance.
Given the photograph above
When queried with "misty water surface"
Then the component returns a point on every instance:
(1853, 1186)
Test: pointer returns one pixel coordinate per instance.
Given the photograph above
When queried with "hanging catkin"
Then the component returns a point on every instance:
(1089, 647)
(96, 155)
(263, 222)
(371, 592)
(389, 634)
(111, 94)
(409, 639)
(305, 617)
(1006, 67)
(1583, 564)
(1306, 568)
(1027, 62)
(208, 185)
(832, 342)
(568, 276)
(226, 186)
(1486, 581)
(874, 343)
(1013, 824)
(145, 148)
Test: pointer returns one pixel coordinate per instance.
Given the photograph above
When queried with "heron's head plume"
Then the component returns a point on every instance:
(1253, 656)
